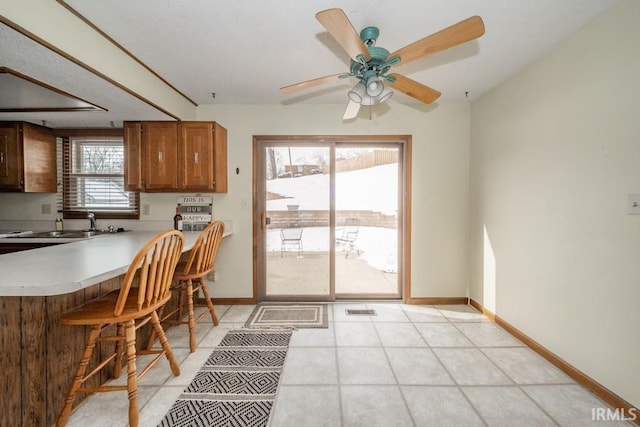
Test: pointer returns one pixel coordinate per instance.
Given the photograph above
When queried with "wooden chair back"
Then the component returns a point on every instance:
(203, 254)
(152, 271)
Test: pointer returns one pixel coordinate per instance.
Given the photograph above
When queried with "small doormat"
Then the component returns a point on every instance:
(268, 315)
(237, 384)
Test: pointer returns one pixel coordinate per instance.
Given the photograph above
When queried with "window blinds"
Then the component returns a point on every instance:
(93, 178)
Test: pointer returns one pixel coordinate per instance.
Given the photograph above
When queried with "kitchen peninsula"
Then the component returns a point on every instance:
(39, 355)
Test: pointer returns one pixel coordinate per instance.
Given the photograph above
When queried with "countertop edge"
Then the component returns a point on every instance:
(70, 264)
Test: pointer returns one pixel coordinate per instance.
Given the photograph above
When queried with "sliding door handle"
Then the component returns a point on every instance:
(265, 221)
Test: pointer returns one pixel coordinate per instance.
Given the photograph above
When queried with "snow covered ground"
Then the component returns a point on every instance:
(372, 189)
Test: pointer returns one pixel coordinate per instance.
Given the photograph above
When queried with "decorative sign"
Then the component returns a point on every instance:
(196, 211)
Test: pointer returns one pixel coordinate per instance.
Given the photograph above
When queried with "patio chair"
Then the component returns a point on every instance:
(291, 237)
(347, 235)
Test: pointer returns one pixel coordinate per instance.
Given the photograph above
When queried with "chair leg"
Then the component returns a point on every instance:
(79, 376)
(132, 377)
(191, 315)
(117, 361)
(177, 312)
(152, 339)
(155, 321)
(181, 304)
(214, 318)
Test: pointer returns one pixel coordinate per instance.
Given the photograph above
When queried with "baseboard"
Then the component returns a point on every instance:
(233, 301)
(629, 411)
(438, 301)
(491, 316)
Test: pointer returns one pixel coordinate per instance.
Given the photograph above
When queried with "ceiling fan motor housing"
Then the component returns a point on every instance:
(369, 35)
(376, 66)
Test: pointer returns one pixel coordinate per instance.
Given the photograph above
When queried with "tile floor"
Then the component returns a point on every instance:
(406, 366)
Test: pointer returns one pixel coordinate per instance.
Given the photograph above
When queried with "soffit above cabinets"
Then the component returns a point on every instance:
(21, 93)
(36, 77)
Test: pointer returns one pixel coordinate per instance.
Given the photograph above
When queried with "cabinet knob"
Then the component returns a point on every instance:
(195, 158)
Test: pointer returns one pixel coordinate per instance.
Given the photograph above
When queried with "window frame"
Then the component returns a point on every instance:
(67, 213)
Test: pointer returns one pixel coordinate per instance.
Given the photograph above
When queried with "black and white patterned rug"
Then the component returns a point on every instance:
(237, 385)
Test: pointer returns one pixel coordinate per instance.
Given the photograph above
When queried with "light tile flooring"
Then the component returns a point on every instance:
(405, 366)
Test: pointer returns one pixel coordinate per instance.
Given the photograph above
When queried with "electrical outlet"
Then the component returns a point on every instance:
(633, 206)
(244, 205)
(146, 210)
(45, 208)
(212, 276)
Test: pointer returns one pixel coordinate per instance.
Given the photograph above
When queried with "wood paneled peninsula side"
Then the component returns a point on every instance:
(39, 354)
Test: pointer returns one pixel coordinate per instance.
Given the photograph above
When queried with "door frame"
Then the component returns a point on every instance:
(404, 203)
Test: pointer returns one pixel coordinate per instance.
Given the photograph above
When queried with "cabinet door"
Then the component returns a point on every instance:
(10, 159)
(220, 158)
(39, 156)
(196, 156)
(133, 170)
(159, 141)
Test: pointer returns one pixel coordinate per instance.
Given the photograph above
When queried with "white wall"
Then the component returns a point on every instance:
(440, 183)
(554, 154)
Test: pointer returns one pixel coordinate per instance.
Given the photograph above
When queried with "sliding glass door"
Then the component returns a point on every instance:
(297, 200)
(328, 219)
(366, 224)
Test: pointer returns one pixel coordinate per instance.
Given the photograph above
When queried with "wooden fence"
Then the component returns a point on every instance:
(312, 218)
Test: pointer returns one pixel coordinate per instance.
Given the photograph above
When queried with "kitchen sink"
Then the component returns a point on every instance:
(68, 234)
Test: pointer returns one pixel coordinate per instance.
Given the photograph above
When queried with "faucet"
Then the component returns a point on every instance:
(92, 221)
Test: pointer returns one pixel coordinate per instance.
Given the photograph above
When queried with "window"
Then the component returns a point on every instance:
(93, 179)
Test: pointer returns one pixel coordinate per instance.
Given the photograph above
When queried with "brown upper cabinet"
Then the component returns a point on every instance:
(175, 156)
(27, 158)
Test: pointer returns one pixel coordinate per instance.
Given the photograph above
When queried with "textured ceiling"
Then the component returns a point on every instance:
(244, 51)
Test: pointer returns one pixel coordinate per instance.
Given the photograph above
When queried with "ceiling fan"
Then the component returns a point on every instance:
(371, 64)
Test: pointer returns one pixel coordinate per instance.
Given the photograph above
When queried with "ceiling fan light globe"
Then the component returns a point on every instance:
(385, 95)
(358, 93)
(374, 86)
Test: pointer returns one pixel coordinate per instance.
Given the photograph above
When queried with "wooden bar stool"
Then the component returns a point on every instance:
(145, 288)
(190, 278)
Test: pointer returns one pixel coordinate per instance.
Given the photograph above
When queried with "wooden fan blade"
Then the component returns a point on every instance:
(414, 89)
(310, 83)
(339, 26)
(463, 31)
(352, 110)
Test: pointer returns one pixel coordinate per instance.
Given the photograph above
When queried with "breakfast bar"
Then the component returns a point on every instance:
(39, 354)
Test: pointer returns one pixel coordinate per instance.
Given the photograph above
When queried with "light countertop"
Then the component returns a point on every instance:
(69, 267)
